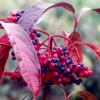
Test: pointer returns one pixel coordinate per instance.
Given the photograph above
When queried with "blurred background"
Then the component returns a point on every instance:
(61, 20)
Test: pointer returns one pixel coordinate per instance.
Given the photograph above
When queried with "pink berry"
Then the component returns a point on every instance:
(11, 18)
(52, 66)
(66, 79)
(32, 35)
(55, 55)
(47, 54)
(63, 58)
(78, 67)
(67, 70)
(85, 68)
(54, 51)
(90, 73)
(81, 74)
(85, 73)
(55, 74)
(59, 80)
(59, 50)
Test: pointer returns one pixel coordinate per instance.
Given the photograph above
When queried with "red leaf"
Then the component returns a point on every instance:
(4, 52)
(95, 48)
(30, 16)
(64, 5)
(76, 37)
(84, 94)
(26, 56)
(97, 10)
(85, 10)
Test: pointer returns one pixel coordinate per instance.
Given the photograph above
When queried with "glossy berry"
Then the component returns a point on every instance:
(13, 58)
(12, 53)
(38, 35)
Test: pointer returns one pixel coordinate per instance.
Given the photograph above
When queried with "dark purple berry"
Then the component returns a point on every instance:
(33, 41)
(68, 62)
(36, 39)
(18, 14)
(12, 53)
(50, 82)
(38, 34)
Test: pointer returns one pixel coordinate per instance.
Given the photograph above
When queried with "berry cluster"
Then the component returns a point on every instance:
(35, 39)
(57, 66)
(15, 16)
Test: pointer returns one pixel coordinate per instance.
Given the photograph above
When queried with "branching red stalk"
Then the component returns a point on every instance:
(70, 42)
(50, 45)
(70, 46)
(44, 45)
(59, 36)
(56, 44)
(42, 31)
(44, 51)
(44, 42)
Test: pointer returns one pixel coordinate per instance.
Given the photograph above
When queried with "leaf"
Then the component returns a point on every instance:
(85, 10)
(64, 5)
(84, 94)
(76, 37)
(26, 56)
(95, 48)
(4, 52)
(30, 16)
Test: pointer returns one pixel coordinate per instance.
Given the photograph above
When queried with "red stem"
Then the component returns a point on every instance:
(8, 73)
(5, 44)
(50, 44)
(12, 74)
(71, 44)
(44, 51)
(54, 41)
(42, 31)
(44, 42)
(61, 37)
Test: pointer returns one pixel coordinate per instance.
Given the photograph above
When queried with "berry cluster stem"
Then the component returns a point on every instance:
(5, 44)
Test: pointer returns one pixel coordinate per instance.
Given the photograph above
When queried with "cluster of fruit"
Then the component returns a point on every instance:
(15, 16)
(57, 66)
